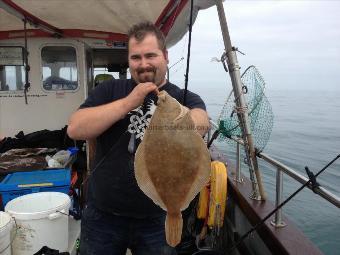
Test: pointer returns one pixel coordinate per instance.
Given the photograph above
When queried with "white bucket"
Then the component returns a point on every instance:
(6, 225)
(41, 221)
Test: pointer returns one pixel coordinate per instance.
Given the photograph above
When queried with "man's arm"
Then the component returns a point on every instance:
(88, 123)
(201, 120)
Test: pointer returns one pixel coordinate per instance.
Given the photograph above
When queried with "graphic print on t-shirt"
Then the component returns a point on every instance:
(140, 120)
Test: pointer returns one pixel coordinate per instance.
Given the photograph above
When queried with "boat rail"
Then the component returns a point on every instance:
(280, 169)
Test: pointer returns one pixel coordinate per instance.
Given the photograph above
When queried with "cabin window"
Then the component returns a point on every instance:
(12, 78)
(59, 68)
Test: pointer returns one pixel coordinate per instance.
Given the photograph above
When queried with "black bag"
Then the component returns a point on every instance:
(39, 139)
(48, 251)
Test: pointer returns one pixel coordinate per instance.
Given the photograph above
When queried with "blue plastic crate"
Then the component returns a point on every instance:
(22, 183)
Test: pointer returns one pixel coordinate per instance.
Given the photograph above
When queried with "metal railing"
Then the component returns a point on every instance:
(280, 169)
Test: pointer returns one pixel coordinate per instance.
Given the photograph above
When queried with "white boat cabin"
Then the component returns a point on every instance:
(62, 71)
(68, 43)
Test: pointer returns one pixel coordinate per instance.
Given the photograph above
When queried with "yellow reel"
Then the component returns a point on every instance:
(212, 199)
(203, 203)
(218, 194)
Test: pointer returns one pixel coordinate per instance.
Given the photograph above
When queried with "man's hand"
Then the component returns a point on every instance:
(137, 95)
(89, 123)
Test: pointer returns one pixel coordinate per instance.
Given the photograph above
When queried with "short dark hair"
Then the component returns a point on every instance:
(140, 30)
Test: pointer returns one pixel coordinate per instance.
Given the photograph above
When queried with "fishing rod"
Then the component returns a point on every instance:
(188, 54)
(180, 60)
(312, 180)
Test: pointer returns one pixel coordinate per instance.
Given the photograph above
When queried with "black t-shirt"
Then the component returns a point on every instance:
(113, 187)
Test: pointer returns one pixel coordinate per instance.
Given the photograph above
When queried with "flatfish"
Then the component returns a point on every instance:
(172, 163)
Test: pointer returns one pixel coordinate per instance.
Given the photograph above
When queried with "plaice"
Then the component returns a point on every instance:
(172, 163)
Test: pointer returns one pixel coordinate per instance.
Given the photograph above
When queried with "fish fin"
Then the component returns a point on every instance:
(143, 179)
(183, 112)
(202, 177)
(173, 229)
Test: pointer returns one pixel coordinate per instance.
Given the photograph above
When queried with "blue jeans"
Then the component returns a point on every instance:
(107, 234)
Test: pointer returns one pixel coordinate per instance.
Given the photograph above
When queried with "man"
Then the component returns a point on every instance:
(116, 113)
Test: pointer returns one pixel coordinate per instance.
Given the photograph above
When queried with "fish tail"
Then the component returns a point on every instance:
(173, 229)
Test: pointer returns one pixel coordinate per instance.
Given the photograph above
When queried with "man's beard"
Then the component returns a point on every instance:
(146, 74)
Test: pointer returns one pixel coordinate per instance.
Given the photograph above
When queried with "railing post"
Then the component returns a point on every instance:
(240, 103)
(277, 222)
(238, 164)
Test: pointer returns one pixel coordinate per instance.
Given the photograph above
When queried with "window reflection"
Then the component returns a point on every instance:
(59, 68)
(12, 78)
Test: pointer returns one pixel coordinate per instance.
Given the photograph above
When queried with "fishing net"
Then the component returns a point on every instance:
(259, 110)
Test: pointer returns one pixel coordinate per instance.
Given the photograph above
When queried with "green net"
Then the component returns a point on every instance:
(259, 110)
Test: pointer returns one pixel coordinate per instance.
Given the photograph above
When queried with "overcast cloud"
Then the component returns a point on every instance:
(294, 44)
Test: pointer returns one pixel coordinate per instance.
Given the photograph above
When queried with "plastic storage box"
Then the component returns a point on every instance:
(22, 183)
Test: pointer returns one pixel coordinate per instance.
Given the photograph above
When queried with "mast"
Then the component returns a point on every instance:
(241, 106)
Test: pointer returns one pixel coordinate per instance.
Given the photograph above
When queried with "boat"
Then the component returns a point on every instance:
(52, 53)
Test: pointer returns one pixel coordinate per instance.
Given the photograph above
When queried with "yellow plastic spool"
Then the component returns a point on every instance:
(218, 194)
(203, 203)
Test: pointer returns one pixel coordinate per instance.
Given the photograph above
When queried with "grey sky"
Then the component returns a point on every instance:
(294, 44)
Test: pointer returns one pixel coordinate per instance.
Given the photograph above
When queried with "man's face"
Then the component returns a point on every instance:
(147, 62)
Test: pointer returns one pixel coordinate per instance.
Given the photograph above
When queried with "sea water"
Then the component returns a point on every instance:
(306, 132)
